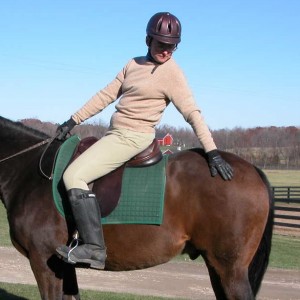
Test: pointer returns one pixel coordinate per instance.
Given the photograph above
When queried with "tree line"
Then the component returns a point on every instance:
(266, 147)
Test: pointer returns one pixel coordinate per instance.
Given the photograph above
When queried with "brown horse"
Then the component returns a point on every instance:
(228, 223)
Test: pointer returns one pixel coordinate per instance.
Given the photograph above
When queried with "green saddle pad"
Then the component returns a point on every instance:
(63, 158)
(142, 196)
(142, 193)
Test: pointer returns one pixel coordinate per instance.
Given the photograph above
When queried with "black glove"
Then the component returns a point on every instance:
(218, 165)
(63, 129)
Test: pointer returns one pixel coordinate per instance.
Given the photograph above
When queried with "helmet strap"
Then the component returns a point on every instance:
(149, 56)
(149, 40)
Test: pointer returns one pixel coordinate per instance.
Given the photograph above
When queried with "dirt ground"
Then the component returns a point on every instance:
(185, 280)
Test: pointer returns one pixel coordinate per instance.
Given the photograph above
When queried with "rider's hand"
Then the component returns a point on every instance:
(63, 129)
(218, 165)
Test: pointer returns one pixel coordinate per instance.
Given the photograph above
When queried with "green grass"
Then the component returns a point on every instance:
(4, 231)
(285, 252)
(9, 291)
(283, 177)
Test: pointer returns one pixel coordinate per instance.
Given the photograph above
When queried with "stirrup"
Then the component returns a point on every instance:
(73, 245)
(64, 252)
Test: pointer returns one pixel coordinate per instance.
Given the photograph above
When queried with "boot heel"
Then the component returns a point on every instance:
(97, 265)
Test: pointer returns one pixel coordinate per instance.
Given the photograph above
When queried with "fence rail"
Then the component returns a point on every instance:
(287, 206)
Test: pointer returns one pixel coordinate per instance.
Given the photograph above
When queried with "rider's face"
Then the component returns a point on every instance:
(161, 52)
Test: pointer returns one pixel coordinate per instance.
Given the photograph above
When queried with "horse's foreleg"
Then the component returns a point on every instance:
(55, 279)
(70, 285)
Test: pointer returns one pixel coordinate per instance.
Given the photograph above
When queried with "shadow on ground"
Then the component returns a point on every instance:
(8, 296)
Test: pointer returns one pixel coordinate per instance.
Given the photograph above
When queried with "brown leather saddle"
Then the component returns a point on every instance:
(108, 187)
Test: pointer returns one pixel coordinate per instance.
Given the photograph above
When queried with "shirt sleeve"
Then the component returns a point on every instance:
(182, 97)
(101, 99)
(202, 131)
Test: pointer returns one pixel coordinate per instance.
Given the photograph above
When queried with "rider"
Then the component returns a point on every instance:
(144, 87)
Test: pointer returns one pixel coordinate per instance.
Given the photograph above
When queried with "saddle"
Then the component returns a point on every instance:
(108, 188)
(150, 156)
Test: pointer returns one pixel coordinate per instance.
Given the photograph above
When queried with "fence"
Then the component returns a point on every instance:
(287, 206)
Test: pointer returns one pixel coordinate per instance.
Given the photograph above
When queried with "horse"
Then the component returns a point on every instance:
(228, 223)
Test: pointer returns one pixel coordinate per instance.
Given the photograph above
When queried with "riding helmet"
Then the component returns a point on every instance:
(165, 28)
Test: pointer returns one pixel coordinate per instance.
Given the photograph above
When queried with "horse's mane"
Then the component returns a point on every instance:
(20, 128)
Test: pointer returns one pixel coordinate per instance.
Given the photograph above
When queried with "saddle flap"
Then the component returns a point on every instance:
(83, 145)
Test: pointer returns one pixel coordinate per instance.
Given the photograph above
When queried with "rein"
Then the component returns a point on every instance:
(48, 142)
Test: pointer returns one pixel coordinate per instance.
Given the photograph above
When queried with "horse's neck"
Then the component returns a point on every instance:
(14, 163)
(14, 169)
(15, 137)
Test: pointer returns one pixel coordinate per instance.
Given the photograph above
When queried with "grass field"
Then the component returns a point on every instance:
(4, 231)
(9, 291)
(283, 177)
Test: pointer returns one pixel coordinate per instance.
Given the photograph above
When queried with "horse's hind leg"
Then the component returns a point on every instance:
(216, 283)
(236, 284)
(230, 284)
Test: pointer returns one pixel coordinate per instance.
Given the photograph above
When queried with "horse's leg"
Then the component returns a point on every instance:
(216, 283)
(236, 284)
(230, 282)
(52, 275)
(49, 283)
(55, 279)
(70, 285)
(228, 253)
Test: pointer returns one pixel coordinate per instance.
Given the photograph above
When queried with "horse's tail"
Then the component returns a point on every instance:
(260, 260)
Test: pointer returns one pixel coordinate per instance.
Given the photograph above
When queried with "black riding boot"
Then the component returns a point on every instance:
(87, 217)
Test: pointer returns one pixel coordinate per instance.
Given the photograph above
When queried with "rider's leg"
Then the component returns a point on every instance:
(87, 217)
(113, 150)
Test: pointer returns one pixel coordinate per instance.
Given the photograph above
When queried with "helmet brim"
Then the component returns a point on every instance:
(166, 39)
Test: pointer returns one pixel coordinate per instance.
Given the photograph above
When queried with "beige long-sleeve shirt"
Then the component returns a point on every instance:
(144, 90)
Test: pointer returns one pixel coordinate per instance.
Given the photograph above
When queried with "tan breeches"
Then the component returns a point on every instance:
(107, 154)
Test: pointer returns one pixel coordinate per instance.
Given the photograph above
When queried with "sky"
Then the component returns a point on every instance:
(241, 58)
